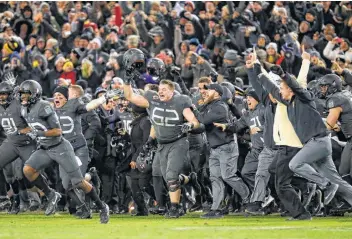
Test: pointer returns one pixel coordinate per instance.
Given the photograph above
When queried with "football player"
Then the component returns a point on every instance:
(15, 145)
(44, 126)
(168, 113)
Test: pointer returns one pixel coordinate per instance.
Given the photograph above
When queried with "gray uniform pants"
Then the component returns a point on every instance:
(321, 170)
(223, 167)
(14, 171)
(9, 152)
(250, 167)
(170, 159)
(83, 155)
(64, 155)
(305, 162)
(346, 159)
(262, 176)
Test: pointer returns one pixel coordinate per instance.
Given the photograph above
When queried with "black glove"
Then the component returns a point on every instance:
(33, 134)
(277, 70)
(148, 145)
(186, 127)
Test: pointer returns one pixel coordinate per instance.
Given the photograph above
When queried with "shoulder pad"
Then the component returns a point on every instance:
(334, 101)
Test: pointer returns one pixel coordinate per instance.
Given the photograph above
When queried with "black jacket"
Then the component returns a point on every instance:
(91, 126)
(140, 130)
(301, 110)
(215, 112)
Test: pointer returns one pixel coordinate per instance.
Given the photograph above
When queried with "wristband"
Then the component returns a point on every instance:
(40, 133)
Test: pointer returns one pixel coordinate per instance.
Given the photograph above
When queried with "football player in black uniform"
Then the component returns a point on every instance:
(45, 127)
(69, 113)
(15, 145)
(339, 104)
(168, 113)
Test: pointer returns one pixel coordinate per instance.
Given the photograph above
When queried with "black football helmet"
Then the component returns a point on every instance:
(333, 82)
(33, 88)
(133, 59)
(145, 160)
(6, 89)
(156, 68)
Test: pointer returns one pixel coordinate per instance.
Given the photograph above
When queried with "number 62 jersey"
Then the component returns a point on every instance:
(167, 117)
(12, 121)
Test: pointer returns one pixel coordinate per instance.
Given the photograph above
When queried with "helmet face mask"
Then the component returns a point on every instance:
(333, 83)
(133, 60)
(6, 93)
(30, 92)
(156, 68)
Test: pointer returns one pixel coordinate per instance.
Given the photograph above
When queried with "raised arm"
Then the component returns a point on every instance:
(303, 73)
(134, 98)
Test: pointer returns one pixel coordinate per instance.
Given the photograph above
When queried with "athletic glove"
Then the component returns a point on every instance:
(10, 78)
(113, 93)
(186, 127)
(148, 145)
(33, 134)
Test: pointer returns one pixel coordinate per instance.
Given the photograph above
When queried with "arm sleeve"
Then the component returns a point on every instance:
(253, 80)
(125, 9)
(301, 93)
(236, 112)
(237, 126)
(271, 87)
(303, 73)
(210, 41)
(58, 17)
(94, 125)
(49, 29)
(198, 29)
(183, 86)
(50, 116)
(328, 52)
(177, 42)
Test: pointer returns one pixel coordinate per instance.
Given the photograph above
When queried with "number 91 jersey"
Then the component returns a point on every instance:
(167, 117)
(12, 121)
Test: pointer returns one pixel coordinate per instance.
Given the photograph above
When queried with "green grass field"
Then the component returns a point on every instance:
(64, 226)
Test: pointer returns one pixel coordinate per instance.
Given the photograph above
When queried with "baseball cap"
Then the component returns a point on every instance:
(218, 88)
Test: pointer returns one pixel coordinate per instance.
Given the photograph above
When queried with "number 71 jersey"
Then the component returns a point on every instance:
(167, 117)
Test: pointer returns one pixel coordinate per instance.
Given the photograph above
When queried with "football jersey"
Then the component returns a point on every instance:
(343, 100)
(126, 118)
(251, 119)
(167, 117)
(41, 116)
(12, 121)
(71, 121)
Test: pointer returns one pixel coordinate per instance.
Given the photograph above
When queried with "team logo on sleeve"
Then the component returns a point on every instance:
(155, 97)
(48, 110)
(331, 104)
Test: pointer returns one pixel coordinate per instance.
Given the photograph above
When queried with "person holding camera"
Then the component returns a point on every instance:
(140, 180)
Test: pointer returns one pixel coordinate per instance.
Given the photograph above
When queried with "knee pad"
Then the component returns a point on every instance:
(173, 185)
